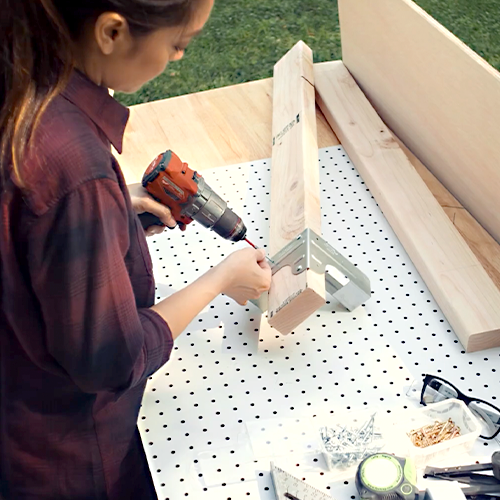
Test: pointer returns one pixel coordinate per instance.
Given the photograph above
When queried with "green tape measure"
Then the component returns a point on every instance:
(382, 476)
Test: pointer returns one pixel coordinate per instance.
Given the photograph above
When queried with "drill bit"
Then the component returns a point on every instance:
(257, 248)
(250, 243)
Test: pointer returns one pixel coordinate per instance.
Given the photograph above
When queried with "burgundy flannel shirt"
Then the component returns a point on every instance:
(77, 338)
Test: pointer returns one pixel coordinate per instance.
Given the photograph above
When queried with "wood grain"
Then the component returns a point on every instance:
(438, 96)
(485, 248)
(209, 129)
(295, 193)
(460, 285)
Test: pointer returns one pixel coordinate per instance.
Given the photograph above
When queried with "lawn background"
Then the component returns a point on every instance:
(244, 38)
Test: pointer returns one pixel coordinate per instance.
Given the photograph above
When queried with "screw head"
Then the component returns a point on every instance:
(299, 268)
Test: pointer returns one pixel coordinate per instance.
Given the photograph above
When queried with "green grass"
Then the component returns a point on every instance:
(242, 41)
(475, 22)
(244, 38)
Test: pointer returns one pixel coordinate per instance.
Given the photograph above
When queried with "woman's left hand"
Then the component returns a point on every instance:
(142, 202)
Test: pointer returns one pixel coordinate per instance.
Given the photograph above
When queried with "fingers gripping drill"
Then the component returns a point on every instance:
(189, 197)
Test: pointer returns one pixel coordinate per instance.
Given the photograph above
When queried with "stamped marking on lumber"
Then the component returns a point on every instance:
(286, 302)
(286, 129)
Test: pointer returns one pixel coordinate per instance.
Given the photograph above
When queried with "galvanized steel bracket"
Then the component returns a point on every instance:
(343, 280)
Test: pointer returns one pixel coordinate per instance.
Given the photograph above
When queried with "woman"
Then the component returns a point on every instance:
(79, 334)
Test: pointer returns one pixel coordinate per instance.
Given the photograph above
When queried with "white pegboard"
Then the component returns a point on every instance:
(201, 410)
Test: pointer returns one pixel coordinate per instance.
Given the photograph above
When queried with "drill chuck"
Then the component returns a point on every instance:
(230, 226)
(210, 210)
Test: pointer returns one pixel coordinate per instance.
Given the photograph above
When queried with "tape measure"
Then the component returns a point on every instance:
(383, 477)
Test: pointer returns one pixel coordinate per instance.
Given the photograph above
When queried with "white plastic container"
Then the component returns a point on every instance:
(442, 411)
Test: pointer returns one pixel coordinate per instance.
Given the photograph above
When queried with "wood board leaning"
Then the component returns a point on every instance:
(461, 286)
(437, 95)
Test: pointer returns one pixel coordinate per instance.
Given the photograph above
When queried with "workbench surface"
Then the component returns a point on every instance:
(209, 129)
(229, 402)
(193, 422)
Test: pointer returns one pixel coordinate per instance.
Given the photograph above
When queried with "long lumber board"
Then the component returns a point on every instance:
(434, 92)
(295, 192)
(484, 246)
(460, 285)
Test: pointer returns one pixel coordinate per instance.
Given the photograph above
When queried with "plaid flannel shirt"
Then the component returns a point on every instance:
(77, 338)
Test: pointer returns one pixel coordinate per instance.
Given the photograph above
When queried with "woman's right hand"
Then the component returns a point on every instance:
(246, 275)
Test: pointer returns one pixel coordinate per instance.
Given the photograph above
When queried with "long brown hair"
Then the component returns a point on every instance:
(36, 56)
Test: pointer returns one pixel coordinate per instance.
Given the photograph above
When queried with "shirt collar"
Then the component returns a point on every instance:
(107, 113)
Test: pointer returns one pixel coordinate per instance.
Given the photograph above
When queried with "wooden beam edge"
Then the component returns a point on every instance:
(453, 39)
(295, 200)
(299, 306)
(464, 328)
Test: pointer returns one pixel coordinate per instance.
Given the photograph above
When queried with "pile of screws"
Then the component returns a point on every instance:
(347, 446)
(434, 433)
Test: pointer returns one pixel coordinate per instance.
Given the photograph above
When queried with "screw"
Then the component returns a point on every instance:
(346, 446)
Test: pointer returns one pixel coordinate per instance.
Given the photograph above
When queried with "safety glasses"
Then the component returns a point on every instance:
(436, 389)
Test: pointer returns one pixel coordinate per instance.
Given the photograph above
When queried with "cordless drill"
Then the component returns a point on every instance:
(172, 183)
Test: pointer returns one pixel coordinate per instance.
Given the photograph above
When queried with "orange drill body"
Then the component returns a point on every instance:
(189, 197)
(172, 183)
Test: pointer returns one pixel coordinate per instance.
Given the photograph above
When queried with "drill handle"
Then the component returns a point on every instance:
(147, 219)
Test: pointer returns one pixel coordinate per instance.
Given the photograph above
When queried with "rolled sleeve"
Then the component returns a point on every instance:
(93, 327)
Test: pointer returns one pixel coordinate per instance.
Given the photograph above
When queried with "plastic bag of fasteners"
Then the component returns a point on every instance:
(348, 439)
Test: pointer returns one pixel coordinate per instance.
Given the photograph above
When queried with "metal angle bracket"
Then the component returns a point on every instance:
(343, 280)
